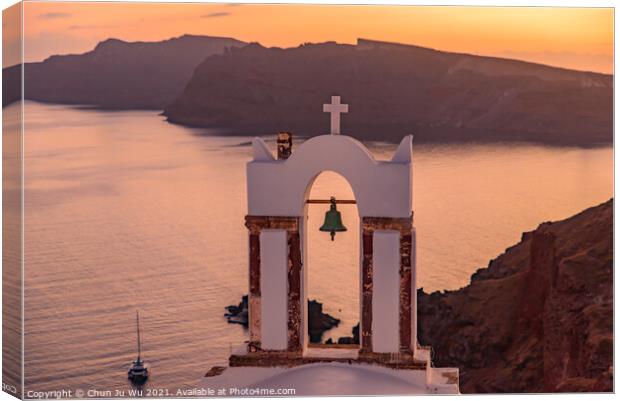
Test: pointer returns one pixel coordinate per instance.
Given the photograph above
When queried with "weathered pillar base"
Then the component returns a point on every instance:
(288, 359)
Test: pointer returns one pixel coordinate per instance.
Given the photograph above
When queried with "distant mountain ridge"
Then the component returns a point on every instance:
(116, 74)
(394, 90)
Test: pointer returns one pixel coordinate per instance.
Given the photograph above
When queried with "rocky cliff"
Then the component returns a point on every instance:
(117, 74)
(394, 90)
(539, 318)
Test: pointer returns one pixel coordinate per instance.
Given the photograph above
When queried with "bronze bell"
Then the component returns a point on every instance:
(333, 220)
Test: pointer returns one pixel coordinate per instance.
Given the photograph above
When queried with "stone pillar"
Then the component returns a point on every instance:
(255, 225)
(367, 275)
(405, 292)
(404, 227)
(295, 324)
(414, 291)
(254, 304)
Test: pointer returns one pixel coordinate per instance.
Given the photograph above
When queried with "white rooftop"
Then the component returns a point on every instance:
(332, 379)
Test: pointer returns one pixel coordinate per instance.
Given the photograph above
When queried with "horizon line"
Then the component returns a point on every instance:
(358, 39)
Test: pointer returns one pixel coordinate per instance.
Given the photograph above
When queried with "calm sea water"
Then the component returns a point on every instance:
(125, 212)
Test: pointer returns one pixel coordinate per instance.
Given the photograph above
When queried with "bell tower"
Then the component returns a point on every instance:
(278, 191)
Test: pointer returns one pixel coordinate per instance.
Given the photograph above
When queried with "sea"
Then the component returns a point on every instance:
(125, 211)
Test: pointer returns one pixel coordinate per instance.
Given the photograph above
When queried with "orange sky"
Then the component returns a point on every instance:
(579, 38)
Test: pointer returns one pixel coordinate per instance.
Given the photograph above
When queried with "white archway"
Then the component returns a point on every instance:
(277, 195)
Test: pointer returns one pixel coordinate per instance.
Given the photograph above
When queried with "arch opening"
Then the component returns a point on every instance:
(332, 273)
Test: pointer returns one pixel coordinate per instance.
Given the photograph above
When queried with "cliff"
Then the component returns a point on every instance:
(539, 318)
(394, 90)
(117, 74)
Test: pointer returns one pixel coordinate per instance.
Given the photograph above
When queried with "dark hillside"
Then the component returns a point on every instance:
(118, 74)
(394, 90)
(538, 319)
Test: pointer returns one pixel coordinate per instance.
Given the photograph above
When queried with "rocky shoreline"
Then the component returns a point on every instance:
(318, 321)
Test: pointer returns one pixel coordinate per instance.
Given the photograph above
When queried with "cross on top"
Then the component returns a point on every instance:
(335, 108)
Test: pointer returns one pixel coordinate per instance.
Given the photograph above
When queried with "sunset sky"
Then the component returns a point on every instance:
(568, 37)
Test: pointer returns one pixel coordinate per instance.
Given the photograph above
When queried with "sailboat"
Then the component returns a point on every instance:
(139, 371)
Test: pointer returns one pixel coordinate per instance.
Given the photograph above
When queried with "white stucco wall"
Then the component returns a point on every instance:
(386, 284)
(273, 282)
(280, 187)
(336, 379)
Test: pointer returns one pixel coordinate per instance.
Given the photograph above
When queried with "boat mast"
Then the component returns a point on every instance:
(138, 327)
